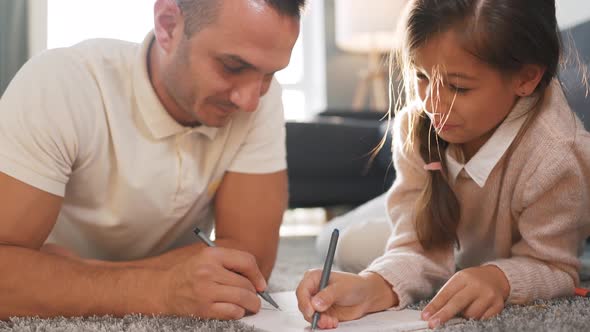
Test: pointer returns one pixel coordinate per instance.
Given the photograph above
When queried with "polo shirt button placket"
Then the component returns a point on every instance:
(184, 197)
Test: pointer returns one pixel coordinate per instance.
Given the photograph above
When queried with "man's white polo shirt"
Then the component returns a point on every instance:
(85, 123)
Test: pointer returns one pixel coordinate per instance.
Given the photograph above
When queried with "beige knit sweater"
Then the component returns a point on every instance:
(542, 220)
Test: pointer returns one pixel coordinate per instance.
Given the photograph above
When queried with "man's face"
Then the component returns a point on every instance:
(228, 65)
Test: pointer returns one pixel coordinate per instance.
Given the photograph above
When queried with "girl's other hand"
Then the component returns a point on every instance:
(477, 293)
(347, 296)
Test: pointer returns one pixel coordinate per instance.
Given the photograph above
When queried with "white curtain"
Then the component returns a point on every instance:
(13, 39)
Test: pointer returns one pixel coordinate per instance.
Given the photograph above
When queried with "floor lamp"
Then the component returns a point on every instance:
(368, 27)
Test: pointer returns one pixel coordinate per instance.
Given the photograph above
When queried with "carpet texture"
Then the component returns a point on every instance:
(296, 255)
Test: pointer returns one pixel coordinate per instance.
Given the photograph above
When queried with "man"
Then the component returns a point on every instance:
(111, 153)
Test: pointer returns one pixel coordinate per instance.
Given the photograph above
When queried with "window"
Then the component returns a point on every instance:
(69, 22)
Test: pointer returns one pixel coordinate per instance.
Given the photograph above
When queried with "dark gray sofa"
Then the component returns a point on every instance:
(329, 159)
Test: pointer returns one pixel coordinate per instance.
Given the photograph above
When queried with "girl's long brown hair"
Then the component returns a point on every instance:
(504, 34)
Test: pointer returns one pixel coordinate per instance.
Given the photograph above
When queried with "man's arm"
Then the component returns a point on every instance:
(248, 213)
(214, 283)
(36, 283)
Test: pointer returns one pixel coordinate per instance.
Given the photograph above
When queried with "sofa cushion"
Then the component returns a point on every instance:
(574, 74)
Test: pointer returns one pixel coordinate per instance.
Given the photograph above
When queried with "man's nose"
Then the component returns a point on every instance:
(247, 95)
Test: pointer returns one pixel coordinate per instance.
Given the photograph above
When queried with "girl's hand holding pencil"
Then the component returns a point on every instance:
(347, 297)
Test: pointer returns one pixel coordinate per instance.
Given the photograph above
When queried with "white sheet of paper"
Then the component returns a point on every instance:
(291, 320)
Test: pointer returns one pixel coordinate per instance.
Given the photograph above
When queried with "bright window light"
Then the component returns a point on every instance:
(293, 74)
(69, 22)
(294, 104)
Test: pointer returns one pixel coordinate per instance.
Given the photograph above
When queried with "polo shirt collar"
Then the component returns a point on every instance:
(483, 162)
(157, 119)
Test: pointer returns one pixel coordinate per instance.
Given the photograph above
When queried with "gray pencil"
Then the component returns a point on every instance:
(326, 272)
(210, 243)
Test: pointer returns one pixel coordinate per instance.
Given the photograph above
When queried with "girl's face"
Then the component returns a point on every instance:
(465, 98)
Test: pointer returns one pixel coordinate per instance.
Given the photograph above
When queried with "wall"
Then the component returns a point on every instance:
(341, 68)
(572, 12)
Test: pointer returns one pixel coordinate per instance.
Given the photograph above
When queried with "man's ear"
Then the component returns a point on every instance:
(168, 24)
(527, 79)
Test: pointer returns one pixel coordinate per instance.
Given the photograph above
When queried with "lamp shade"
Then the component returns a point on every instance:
(367, 26)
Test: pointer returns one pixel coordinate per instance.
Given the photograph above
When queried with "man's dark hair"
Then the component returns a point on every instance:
(200, 13)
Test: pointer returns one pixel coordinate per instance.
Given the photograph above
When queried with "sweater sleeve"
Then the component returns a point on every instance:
(413, 273)
(553, 225)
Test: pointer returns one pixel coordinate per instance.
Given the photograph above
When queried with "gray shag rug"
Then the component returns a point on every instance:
(296, 255)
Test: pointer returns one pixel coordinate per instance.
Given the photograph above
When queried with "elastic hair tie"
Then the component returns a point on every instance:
(435, 166)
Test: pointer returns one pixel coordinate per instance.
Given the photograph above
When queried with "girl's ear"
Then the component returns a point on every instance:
(527, 79)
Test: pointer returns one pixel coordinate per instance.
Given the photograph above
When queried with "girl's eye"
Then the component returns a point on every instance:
(458, 89)
(421, 77)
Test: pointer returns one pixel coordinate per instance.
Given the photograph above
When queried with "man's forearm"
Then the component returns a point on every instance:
(265, 260)
(163, 261)
(34, 283)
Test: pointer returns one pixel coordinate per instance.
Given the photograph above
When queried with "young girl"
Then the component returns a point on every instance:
(492, 171)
